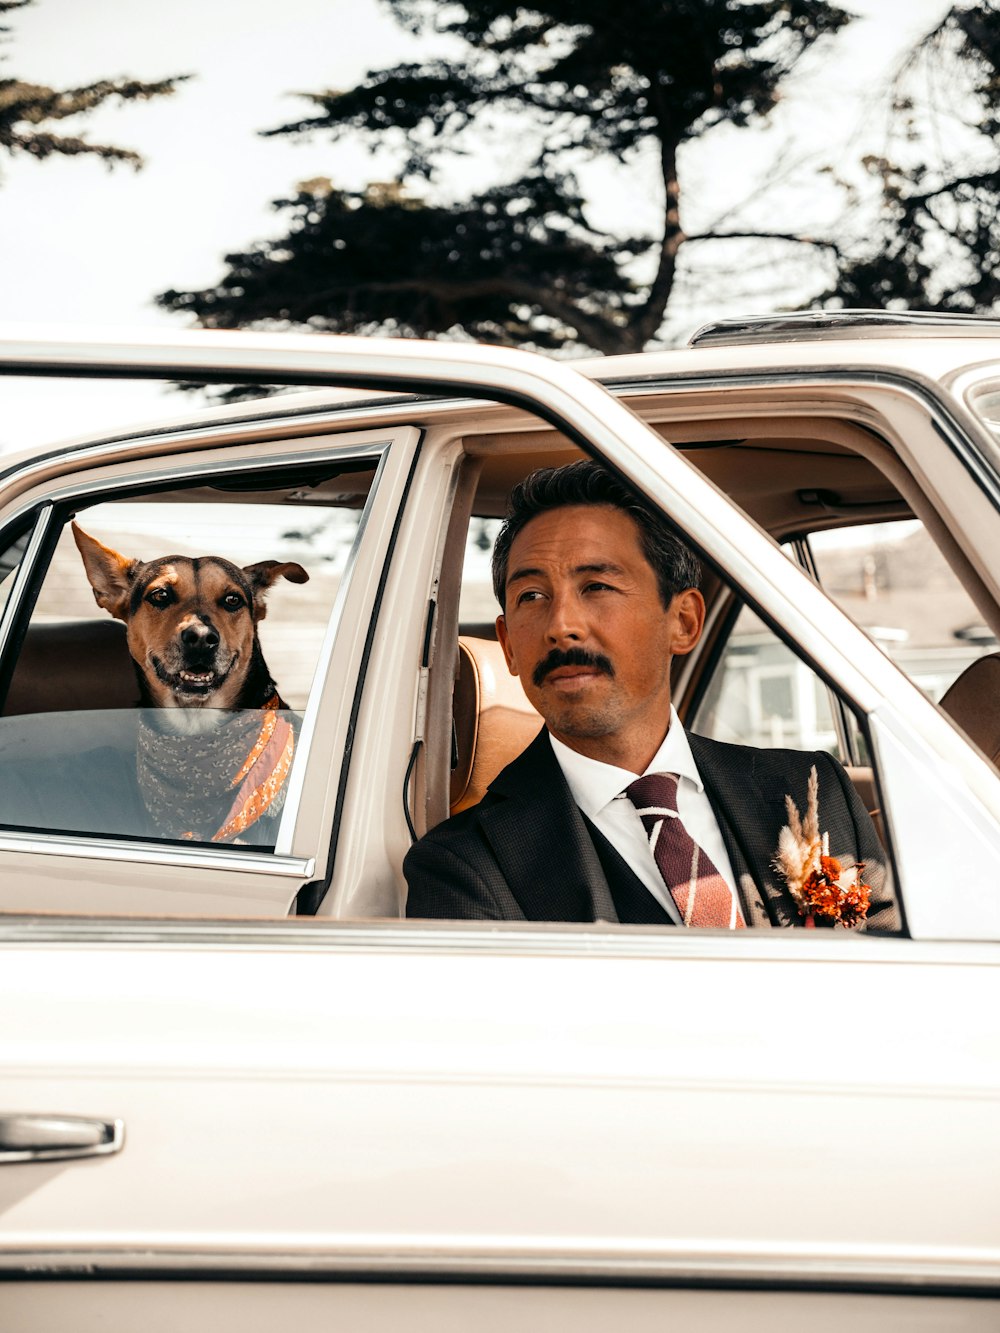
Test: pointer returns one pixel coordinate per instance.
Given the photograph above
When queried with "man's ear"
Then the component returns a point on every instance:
(267, 572)
(687, 611)
(111, 575)
(503, 639)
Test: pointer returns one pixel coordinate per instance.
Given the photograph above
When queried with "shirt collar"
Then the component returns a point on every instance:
(594, 784)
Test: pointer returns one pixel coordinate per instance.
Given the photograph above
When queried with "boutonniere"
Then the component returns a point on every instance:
(823, 889)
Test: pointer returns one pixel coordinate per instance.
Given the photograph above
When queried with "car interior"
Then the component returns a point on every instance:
(794, 474)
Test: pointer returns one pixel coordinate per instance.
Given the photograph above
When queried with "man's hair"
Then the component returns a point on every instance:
(587, 483)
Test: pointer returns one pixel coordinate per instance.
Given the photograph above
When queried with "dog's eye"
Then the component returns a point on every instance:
(232, 601)
(159, 597)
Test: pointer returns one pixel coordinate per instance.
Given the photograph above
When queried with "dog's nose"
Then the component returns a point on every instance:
(200, 636)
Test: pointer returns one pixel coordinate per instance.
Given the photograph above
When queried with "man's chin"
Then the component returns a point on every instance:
(578, 721)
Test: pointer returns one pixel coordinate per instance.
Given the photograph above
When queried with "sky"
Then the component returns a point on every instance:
(88, 247)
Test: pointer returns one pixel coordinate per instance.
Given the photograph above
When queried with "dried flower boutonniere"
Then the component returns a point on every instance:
(823, 890)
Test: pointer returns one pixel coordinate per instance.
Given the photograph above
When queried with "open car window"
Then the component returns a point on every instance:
(125, 718)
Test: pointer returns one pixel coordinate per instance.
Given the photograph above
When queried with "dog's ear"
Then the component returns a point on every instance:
(265, 573)
(111, 575)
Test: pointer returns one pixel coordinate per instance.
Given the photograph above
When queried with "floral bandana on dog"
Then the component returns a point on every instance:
(215, 786)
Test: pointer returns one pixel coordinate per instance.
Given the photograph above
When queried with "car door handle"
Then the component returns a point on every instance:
(49, 1138)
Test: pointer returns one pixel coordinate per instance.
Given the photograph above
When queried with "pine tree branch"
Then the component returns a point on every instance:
(792, 237)
(596, 332)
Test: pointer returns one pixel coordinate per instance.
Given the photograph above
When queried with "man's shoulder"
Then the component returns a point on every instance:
(519, 779)
(462, 825)
(755, 758)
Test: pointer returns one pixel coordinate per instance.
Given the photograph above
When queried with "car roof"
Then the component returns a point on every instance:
(863, 343)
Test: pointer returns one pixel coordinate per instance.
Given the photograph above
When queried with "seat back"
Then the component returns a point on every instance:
(973, 702)
(493, 720)
(73, 665)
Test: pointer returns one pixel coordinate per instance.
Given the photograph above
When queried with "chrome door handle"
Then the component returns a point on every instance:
(50, 1138)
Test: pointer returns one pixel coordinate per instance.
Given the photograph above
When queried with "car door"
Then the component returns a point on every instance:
(228, 1121)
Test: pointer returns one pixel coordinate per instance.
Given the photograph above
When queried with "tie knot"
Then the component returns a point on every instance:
(655, 794)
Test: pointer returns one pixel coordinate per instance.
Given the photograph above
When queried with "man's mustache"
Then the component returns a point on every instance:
(570, 657)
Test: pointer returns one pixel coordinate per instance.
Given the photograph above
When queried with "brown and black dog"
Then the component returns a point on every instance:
(213, 757)
(191, 624)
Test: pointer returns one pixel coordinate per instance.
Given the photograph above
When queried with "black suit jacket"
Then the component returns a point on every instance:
(526, 852)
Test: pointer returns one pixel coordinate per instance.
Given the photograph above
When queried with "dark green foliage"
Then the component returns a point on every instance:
(518, 263)
(353, 263)
(28, 111)
(937, 242)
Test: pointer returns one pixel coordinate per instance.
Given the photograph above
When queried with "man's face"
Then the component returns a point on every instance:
(586, 632)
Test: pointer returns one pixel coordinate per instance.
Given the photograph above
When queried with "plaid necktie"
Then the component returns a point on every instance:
(702, 895)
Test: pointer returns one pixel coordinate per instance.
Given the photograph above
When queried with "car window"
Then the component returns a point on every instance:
(892, 580)
(197, 742)
(478, 607)
(761, 693)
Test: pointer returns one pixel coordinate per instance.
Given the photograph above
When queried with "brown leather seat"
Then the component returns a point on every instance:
(73, 665)
(973, 702)
(493, 720)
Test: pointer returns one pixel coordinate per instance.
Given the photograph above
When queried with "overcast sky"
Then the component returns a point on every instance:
(85, 246)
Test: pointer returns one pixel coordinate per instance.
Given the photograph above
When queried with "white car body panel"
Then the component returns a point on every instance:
(698, 1094)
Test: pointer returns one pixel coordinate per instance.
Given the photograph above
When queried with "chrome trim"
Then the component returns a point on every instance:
(41, 530)
(140, 853)
(342, 1258)
(193, 435)
(807, 325)
(180, 473)
(495, 939)
(31, 1137)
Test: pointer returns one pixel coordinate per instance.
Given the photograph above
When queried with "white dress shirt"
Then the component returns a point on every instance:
(599, 791)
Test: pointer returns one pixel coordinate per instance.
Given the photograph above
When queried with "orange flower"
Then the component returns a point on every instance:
(823, 890)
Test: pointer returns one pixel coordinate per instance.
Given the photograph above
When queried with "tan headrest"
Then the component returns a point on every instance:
(493, 720)
(973, 701)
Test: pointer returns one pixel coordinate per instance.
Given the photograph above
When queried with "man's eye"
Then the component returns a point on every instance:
(232, 601)
(530, 595)
(598, 587)
(159, 597)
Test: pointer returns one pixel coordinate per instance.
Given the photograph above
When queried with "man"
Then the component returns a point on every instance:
(614, 812)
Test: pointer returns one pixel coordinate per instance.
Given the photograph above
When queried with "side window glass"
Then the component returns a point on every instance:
(761, 694)
(478, 607)
(892, 580)
(168, 660)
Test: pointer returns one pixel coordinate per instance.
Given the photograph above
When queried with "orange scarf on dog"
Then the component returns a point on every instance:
(262, 775)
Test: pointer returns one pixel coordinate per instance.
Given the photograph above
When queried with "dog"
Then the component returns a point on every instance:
(215, 723)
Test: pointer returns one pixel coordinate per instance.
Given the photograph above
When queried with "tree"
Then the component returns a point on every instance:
(518, 262)
(936, 241)
(27, 111)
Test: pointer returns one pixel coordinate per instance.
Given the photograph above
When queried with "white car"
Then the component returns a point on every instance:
(238, 1087)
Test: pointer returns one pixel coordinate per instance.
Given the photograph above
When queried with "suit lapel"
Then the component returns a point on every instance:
(540, 841)
(749, 804)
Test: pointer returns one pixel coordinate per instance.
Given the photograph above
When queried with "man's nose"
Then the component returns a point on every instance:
(567, 623)
(200, 633)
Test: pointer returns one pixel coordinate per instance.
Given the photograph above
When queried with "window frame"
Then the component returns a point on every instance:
(299, 854)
